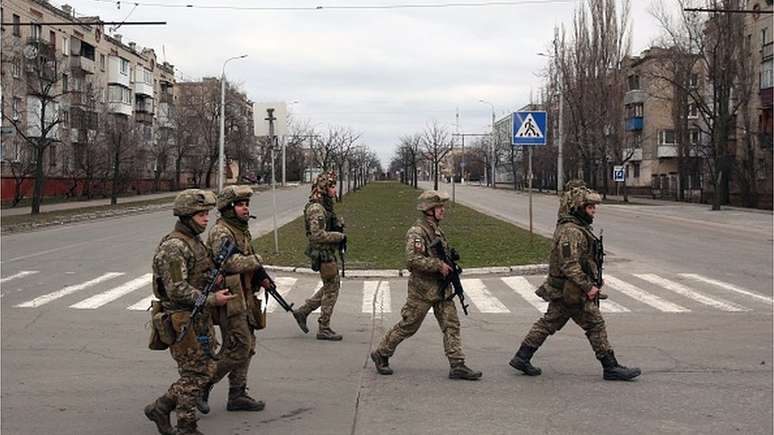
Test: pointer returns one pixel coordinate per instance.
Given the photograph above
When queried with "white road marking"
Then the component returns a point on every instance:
(482, 298)
(284, 285)
(21, 274)
(728, 286)
(383, 300)
(42, 300)
(641, 295)
(101, 299)
(142, 305)
(523, 288)
(691, 293)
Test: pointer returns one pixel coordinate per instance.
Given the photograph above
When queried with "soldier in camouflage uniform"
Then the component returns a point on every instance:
(239, 317)
(324, 241)
(571, 289)
(427, 273)
(180, 268)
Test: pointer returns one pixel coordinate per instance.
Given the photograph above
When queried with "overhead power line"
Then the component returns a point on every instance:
(344, 7)
(87, 23)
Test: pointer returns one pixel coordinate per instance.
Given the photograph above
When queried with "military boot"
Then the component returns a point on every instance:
(602, 296)
(202, 404)
(238, 400)
(612, 371)
(187, 428)
(382, 363)
(158, 412)
(301, 320)
(461, 371)
(520, 361)
(328, 334)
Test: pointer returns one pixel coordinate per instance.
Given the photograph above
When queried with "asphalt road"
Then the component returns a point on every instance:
(74, 356)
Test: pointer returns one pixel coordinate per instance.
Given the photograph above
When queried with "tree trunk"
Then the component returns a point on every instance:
(435, 175)
(37, 191)
(116, 160)
(178, 169)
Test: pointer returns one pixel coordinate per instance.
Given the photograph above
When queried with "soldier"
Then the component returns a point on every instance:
(241, 315)
(180, 268)
(571, 289)
(427, 273)
(325, 233)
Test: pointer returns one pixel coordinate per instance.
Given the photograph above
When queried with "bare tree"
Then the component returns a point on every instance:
(120, 138)
(436, 144)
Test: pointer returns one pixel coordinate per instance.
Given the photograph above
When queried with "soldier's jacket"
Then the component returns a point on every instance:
(238, 269)
(180, 266)
(323, 241)
(572, 267)
(422, 262)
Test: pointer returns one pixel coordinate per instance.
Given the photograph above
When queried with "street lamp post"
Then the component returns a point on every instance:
(492, 157)
(284, 148)
(221, 145)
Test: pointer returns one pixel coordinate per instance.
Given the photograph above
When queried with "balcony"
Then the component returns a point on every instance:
(635, 96)
(634, 154)
(120, 108)
(634, 123)
(142, 88)
(767, 51)
(167, 97)
(666, 151)
(80, 63)
(143, 117)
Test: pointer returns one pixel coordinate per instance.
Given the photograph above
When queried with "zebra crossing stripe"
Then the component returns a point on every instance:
(42, 300)
(101, 299)
(21, 274)
(727, 286)
(608, 306)
(482, 298)
(523, 288)
(641, 295)
(690, 293)
(142, 305)
(284, 285)
(382, 299)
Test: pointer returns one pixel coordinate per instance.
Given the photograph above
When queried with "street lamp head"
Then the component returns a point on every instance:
(242, 56)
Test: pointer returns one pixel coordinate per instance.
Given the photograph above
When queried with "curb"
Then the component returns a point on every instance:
(527, 269)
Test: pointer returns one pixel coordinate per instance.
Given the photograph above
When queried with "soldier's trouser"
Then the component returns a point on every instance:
(412, 315)
(238, 349)
(325, 299)
(587, 316)
(196, 371)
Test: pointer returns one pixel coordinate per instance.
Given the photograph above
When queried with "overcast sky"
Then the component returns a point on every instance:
(384, 73)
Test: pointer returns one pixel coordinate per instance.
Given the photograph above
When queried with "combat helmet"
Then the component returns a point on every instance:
(322, 183)
(582, 196)
(431, 198)
(233, 194)
(192, 201)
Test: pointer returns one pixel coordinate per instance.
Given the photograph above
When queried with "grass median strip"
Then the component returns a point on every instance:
(377, 218)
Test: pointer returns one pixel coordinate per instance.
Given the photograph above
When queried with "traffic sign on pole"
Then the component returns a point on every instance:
(619, 174)
(529, 128)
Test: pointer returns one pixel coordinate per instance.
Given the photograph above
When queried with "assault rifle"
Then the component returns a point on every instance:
(453, 277)
(227, 249)
(259, 276)
(599, 259)
(339, 227)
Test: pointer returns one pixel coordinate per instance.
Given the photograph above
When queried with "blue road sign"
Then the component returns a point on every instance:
(529, 128)
(618, 173)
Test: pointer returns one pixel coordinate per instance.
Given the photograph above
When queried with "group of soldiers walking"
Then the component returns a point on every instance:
(184, 269)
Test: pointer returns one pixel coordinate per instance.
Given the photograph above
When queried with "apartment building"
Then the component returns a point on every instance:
(99, 76)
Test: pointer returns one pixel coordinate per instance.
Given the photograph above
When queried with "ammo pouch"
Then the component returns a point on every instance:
(572, 294)
(235, 306)
(258, 314)
(314, 256)
(178, 320)
(162, 333)
(328, 270)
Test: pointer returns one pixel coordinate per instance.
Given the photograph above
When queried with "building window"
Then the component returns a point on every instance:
(147, 76)
(65, 82)
(666, 137)
(636, 166)
(16, 67)
(764, 35)
(52, 155)
(16, 25)
(37, 32)
(124, 66)
(65, 45)
(102, 62)
(52, 38)
(634, 110)
(693, 111)
(119, 94)
(767, 74)
(66, 119)
(693, 136)
(634, 82)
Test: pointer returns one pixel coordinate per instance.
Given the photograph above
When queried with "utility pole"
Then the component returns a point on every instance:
(463, 135)
(271, 118)
(492, 157)
(284, 147)
(529, 184)
(560, 142)
(221, 152)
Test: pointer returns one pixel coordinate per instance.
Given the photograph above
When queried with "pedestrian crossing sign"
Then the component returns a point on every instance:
(529, 128)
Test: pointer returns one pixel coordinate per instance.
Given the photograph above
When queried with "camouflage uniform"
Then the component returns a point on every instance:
(571, 275)
(238, 318)
(423, 290)
(321, 220)
(180, 268)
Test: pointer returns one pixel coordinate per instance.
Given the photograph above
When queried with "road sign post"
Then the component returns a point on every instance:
(619, 176)
(528, 130)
